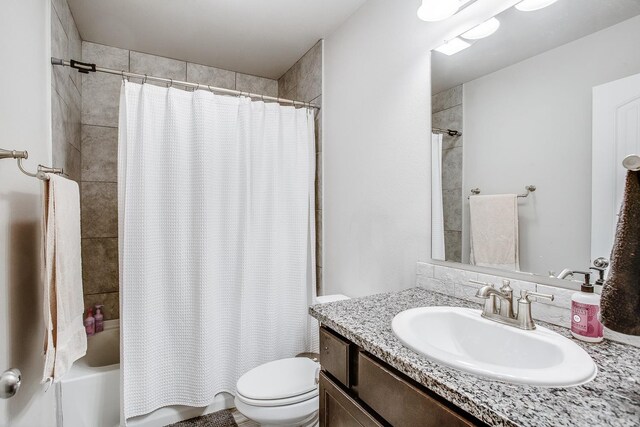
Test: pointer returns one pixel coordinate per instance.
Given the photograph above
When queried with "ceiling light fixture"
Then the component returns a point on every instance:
(453, 46)
(483, 30)
(531, 5)
(437, 10)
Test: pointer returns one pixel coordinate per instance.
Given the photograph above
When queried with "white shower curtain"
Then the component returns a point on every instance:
(216, 241)
(437, 210)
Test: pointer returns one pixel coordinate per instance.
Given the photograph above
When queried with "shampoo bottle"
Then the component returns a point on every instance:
(90, 323)
(585, 313)
(99, 318)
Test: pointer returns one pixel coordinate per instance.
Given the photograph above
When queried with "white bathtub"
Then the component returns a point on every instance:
(89, 395)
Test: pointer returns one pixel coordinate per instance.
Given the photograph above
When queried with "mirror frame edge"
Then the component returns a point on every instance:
(514, 275)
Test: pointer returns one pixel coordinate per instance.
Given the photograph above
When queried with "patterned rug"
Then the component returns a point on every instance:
(222, 418)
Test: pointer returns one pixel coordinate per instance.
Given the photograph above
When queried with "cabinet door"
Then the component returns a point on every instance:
(400, 403)
(334, 356)
(338, 409)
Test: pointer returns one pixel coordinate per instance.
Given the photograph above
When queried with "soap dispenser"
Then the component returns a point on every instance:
(99, 318)
(90, 323)
(585, 311)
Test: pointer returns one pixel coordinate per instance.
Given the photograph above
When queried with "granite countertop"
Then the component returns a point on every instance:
(611, 399)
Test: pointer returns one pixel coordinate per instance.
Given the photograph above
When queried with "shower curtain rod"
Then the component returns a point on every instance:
(86, 68)
(450, 132)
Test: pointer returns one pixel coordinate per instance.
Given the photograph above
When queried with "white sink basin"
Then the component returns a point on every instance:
(462, 339)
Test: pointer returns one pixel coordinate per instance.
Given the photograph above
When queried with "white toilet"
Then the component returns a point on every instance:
(283, 392)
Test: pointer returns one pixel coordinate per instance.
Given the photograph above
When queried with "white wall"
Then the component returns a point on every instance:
(530, 123)
(376, 132)
(24, 125)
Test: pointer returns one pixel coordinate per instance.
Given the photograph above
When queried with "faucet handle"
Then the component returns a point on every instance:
(525, 320)
(506, 285)
(525, 294)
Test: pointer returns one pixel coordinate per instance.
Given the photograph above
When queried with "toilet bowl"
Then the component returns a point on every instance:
(283, 392)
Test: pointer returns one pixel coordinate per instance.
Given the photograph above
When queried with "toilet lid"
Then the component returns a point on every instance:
(279, 379)
(287, 401)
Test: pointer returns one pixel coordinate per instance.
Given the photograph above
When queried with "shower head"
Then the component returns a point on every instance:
(632, 162)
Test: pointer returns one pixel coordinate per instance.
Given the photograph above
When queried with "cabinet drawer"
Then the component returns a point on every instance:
(338, 409)
(399, 402)
(334, 356)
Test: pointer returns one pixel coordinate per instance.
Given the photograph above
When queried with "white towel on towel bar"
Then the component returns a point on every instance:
(66, 340)
(494, 231)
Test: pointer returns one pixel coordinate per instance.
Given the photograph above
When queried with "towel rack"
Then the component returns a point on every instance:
(529, 188)
(42, 171)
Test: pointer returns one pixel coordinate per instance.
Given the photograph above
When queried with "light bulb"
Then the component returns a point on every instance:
(437, 10)
(483, 30)
(453, 46)
(531, 5)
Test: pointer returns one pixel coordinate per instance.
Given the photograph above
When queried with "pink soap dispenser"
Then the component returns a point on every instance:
(585, 313)
(90, 323)
(99, 318)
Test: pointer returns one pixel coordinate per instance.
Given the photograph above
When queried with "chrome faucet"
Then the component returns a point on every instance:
(498, 305)
(565, 273)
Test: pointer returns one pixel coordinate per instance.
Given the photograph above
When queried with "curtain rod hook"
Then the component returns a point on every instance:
(170, 83)
(124, 78)
(145, 79)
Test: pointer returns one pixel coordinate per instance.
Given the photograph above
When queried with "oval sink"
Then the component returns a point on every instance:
(462, 339)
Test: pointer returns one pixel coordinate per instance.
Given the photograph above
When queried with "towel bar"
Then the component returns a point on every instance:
(42, 171)
(529, 188)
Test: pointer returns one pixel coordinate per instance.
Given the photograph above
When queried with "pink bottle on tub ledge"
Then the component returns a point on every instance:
(90, 323)
(99, 318)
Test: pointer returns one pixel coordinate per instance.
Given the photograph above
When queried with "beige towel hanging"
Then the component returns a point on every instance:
(66, 340)
(494, 231)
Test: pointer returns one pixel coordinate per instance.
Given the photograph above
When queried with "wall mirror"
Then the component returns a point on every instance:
(545, 108)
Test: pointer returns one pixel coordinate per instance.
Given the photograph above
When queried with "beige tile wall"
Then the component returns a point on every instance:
(303, 82)
(99, 146)
(65, 91)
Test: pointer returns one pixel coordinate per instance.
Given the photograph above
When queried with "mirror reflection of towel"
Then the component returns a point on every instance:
(494, 231)
(620, 301)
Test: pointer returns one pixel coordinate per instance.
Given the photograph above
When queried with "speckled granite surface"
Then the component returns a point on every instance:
(612, 399)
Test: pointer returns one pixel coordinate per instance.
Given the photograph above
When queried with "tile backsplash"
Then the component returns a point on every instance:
(456, 282)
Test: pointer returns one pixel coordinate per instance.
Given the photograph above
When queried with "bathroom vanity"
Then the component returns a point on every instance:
(357, 388)
(369, 378)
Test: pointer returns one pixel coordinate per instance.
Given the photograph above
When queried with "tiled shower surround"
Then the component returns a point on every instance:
(98, 187)
(66, 91)
(456, 282)
(85, 134)
(303, 82)
(447, 114)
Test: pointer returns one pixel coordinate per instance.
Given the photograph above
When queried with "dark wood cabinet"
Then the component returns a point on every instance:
(357, 389)
(338, 409)
(334, 356)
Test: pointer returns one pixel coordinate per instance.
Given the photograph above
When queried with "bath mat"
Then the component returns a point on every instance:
(222, 418)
